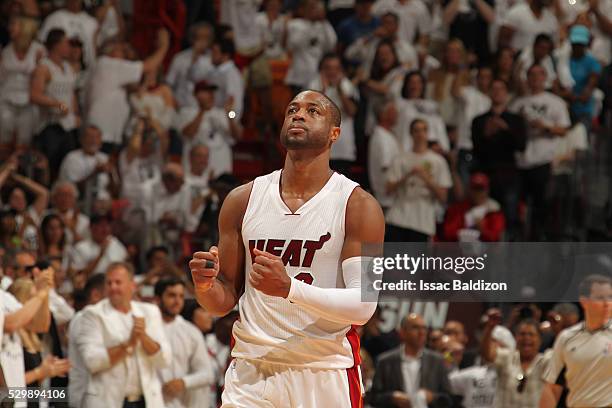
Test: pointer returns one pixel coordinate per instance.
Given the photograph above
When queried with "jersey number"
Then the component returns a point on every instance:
(305, 277)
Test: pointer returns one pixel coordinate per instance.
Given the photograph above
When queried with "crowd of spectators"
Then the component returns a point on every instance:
(468, 120)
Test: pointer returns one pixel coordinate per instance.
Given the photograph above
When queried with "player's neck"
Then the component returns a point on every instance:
(304, 173)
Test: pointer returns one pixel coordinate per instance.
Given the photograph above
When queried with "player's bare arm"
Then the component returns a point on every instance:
(218, 275)
(365, 224)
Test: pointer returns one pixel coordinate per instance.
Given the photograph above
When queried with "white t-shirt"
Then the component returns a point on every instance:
(161, 202)
(15, 73)
(601, 47)
(11, 353)
(240, 15)
(552, 111)
(87, 250)
(411, 109)
(77, 165)
(526, 26)
(476, 385)
(307, 41)
(559, 71)
(414, 205)
(382, 149)
(80, 25)
(344, 148)
(182, 72)
(364, 51)
(213, 132)
(271, 35)
(575, 140)
(109, 109)
(229, 81)
(475, 103)
(136, 174)
(190, 362)
(413, 17)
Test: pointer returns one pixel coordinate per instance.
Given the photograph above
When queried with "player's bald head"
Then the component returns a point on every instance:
(330, 106)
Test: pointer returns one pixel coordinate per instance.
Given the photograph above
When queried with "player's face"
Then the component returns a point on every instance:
(599, 304)
(173, 300)
(307, 123)
(528, 340)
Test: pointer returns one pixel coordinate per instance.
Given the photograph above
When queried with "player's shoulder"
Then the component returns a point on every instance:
(362, 203)
(235, 205)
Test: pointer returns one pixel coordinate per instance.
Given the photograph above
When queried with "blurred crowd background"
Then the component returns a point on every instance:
(125, 123)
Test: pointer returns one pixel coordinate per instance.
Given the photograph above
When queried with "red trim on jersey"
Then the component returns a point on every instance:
(353, 373)
(354, 387)
(353, 339)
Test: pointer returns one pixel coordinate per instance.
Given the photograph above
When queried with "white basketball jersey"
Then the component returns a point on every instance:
(309, 241)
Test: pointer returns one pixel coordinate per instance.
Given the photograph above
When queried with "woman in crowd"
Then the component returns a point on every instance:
(452, 74)
(384, 79)
(17, 62)
(37, 368)
(412, 105)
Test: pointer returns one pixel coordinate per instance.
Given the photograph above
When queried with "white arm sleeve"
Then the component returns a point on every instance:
(340, 305)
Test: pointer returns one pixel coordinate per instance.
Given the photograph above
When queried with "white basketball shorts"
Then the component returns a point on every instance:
(254, 384)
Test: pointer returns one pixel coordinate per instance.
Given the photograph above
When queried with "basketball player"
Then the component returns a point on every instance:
(292, 240)
(584, 352)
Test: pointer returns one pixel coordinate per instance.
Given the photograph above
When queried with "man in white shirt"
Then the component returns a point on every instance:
(64, 195)
(187, 381)
(77, 24)
(364, 49)
(210, 126)
(123, 344)
(382, 149)
(108, 107)
(414, 17)
(95, 254)
(79, 376)
(308, 38)
(548, 119)
(336, 86)
(525, 21)
(168, 198)
(88, 167)
(240, 16)
(419, 180)
(224, 75)
(584, 351)
(184, 64)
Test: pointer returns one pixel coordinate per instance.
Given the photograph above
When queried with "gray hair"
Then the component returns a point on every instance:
(566, 309)
(65, 183)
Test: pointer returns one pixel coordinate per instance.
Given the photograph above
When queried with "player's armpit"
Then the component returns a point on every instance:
(364, 224)
(226, 290)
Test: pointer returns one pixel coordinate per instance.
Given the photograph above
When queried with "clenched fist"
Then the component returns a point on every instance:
(269, 274)
(204, 268)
